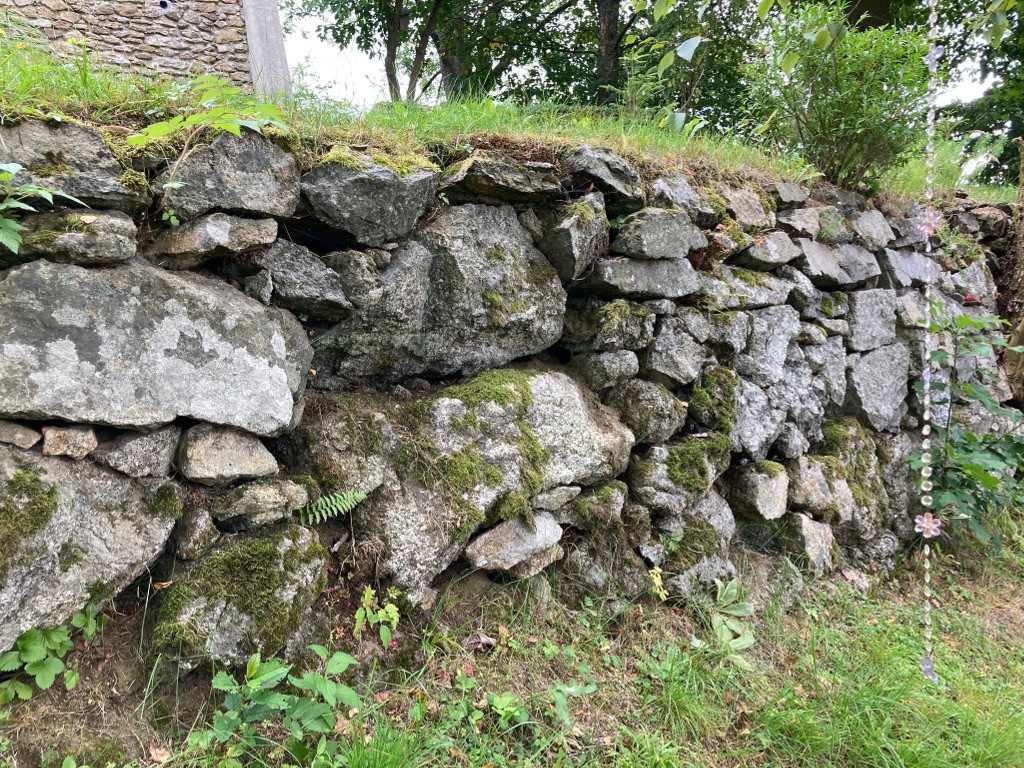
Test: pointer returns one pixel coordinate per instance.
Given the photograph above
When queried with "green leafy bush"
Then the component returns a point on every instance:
(852, 102)
(975, 470)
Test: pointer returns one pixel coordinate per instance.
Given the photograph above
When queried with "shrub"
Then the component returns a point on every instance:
(852, 102)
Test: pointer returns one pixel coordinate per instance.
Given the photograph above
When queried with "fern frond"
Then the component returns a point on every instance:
(330, 506)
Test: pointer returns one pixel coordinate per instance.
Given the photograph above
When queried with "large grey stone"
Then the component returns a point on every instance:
(87, 238)
(642, 278)
(372, 203)
(19, 435)
(772, 330)
(738, 288)
(656, 233)
(70, 158)
(212, 236)
(877, 386)
(212, 455)
(141, 454)
(246, 174)
(468, 292)
(260, 503)
(872, 229)
(872, 319)
(800, 222)
(907, 269)
(572, 237)
(651, 411)
(833, 227)
(758, 490)
(597, 326)
(247, 596)
(746, 207)
(786, 195)
(360, 281)
(437, 468)
(675, 191)
(492, 177)
(670, 479)
(675, 357)
(622, 187)
(812, 543)
(770, 250)
(76, 441)
(830, 267)
(302, 283)
(509, 543)
(699, 549)
(74, 533)
(605, 369)
(758, 422)
(136, 346)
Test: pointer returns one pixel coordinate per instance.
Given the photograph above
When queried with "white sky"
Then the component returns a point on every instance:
(352, 76)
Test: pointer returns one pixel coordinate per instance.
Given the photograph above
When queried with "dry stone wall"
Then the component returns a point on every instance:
(175, 37)
(515, 384)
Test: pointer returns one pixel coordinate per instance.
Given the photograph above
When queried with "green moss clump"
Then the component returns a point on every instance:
(617, 313)
(495, 304)
(699, 540)
(247, 575)
(695, 462)
(851, 454)
(771, 468)
(513, 505)
(69, 556)
(582, 210)
(465, 470)
(27, 506)
(828, 306)
(713, 400)
(135, 181)
(750, 277)
(165, 502)
(599, 509)
(346, 157)
(363, 433)
(289, 141)
(497, 253)
(718, 203)
(504, 386)
(402, 163)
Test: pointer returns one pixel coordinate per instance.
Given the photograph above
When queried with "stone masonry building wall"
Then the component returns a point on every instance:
(175, 37)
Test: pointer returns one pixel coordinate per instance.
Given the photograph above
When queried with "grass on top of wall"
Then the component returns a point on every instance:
(41, 79)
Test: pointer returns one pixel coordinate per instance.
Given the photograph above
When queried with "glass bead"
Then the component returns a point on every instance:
(926, 471)
(927, 486)
(926, 430)
(926, 457)
(926, 500)
(926, 445)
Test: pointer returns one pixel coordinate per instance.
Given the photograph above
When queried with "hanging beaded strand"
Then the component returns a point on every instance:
(927, 524)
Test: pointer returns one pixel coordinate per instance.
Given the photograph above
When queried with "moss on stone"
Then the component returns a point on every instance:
(69, 556)
(135, 181)
(495, 304)
(617, 313)
(165, 502)
(288, 140)
(596, 510)
(402, 162)
(851, 453)
(249, 576)
(513, 505)
(750, 277)
(717, 203)
(713, 400)
(497, 253)
(27, 506)
(503, 386)
(770, 468)
(832, 224)
(345, 157)
(99, 751)
(694, 463)
(363, 433)
(828, 306)
(581, 210)
(699, 540)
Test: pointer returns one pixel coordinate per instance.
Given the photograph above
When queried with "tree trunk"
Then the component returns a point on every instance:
(1013, 362)
(868, 13)
(391, 43)
(608, 49)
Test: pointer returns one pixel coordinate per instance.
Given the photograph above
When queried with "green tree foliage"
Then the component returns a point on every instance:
(851, 102)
